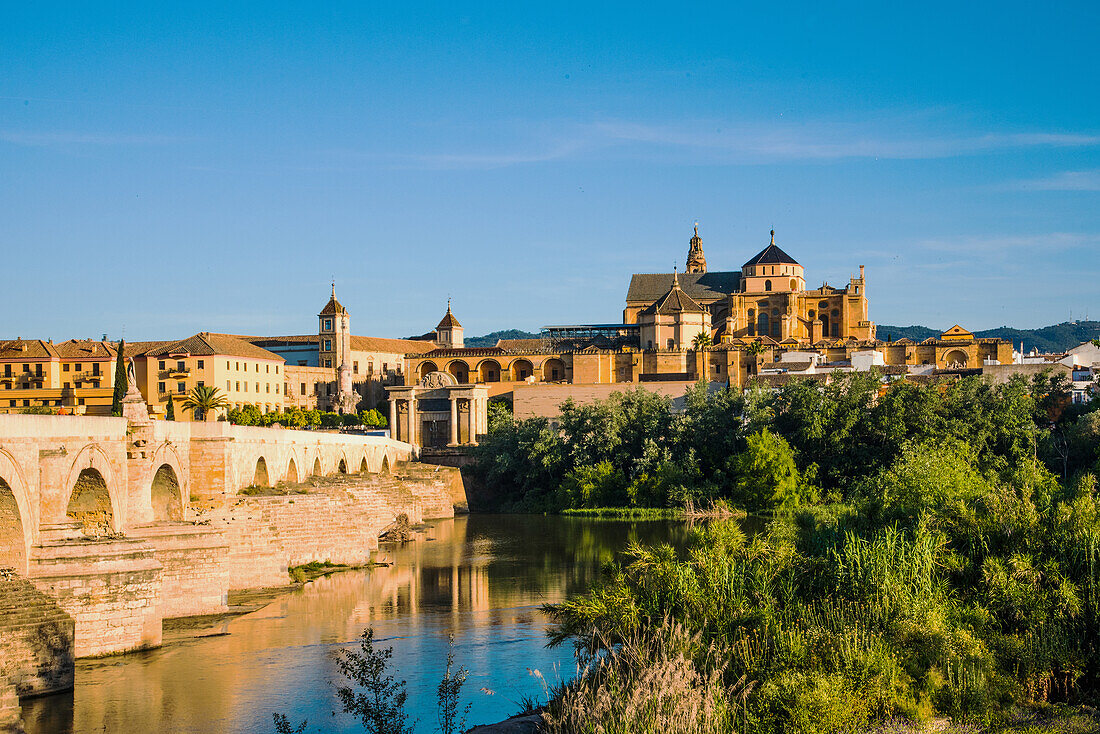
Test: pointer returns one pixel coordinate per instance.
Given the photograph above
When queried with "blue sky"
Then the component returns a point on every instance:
(166, 170)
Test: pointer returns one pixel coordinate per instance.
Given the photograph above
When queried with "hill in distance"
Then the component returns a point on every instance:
(1054, 338)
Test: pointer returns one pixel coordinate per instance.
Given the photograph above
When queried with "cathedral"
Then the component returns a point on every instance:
(766, 298)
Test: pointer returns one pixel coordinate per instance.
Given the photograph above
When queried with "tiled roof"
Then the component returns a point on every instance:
(702, 287)
(207, 344)
(449, 321)
(675, 301)
(390, 346)
(771, 255)
(26, 349)
(333, 307)
(85, 349)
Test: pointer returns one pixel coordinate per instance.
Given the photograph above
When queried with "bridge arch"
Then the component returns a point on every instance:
(166, 456)
(260, 477)
(342, 467)
(166, 494)
(317, 470)
(385, 468)
(363, 466)
(291, 475)
(91, 485)
(16, 521)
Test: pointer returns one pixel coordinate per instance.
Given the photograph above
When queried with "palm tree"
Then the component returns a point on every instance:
(204, 401)
(701, 341)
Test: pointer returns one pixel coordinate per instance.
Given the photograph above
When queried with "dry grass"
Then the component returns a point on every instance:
(650, 687)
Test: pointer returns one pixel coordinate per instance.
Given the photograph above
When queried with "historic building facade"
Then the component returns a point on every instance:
(75, 376)
(724, 326)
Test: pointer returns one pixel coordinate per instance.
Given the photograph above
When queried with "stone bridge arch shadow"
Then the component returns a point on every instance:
(260, 476)
(15, 522)
(93, 497)
(169, 496)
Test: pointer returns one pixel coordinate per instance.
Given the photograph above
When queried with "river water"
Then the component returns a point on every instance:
(480, 577)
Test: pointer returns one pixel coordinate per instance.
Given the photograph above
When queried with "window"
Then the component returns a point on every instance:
(160, 365)
(267, 369)
(7, 368)
(202, 365)
(181, 388)
(328, 345)
(95, 368)
(79, 384)
(237, 366)
(671, 344)
(38, 370)
(268, 387)
(385, 367)
(66, 386)
(26, 403)
(246, 385)
(80, 401)
(227, 364)
(276, 369)
(96, 384)
(11, 403)
(836, 329)
(238, 385)
(257, 387)
(160, 388)
(327, 325)
(767, 285)
(227, 383)
(355, 367)
(302, 391)
(200, 383)
(179, 366)
(328, 363)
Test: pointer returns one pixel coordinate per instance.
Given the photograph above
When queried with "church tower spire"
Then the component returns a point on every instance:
(697, 261)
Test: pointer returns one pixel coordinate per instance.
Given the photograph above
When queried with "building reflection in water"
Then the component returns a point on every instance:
(481, 578)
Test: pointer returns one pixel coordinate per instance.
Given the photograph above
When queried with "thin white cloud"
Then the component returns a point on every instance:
(1064, 181)
(709, 142)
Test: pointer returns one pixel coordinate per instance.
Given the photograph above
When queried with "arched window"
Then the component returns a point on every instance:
(763, 325)
(794, 284)
(752, 322)
(767, 285)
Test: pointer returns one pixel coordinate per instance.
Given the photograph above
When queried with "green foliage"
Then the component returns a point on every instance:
(372, 419)
(451, 718)
(499, 414)
(121, 383)
(204, 400)
(767, 478)
(38, 410)
(170, 409)
(377, 700)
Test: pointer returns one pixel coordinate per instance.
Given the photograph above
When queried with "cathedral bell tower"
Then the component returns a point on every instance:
(697, 261)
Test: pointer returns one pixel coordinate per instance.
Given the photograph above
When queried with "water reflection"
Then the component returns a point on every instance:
(480, 577)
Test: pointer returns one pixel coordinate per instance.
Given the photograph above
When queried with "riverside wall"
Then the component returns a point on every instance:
(123, 524)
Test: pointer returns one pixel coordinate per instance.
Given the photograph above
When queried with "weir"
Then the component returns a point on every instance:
(117, 524)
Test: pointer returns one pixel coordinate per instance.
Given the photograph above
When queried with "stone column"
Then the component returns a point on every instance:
(454, 421)
(473, 421)
(393, 416)
(413, 428)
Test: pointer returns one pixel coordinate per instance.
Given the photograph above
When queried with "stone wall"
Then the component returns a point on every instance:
(36, 639)
(111, 589)
(194, 577)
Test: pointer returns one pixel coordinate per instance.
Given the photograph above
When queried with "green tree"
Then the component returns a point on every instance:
(701, 340)
(767, 477)
(170, 409)
(372, 418)
(204, 401)
(378, 701)
(121, 383)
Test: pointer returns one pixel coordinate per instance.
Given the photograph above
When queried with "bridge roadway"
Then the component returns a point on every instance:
(123, 524)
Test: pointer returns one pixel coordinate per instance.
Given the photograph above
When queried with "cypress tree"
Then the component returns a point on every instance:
(170, 411)
(120, 380)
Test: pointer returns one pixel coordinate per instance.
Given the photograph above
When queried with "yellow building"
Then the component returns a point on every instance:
(75, 376)
(242, 372)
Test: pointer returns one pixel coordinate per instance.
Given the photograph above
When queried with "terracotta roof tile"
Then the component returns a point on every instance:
(26, 349)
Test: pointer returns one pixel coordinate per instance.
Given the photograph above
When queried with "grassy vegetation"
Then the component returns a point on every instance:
(626, 513)
(315, 569)
(933, 554)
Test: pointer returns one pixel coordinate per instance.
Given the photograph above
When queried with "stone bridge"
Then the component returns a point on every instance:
(124, 523)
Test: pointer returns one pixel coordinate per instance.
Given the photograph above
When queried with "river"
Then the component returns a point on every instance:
(480, 577)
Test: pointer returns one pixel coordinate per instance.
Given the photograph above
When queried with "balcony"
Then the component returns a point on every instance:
(175, 373)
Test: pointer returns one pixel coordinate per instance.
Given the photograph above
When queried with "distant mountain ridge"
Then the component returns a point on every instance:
(1054, 338)
(490, 340)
